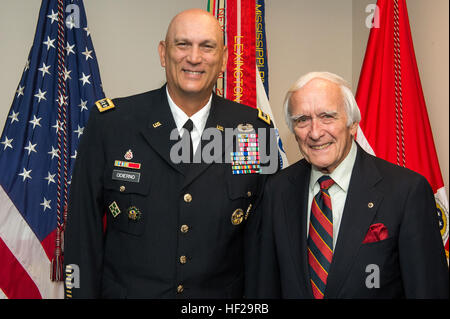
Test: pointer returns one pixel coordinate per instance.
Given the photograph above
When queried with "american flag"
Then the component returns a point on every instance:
(38, 147)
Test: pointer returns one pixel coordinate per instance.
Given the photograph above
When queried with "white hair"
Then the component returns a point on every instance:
(351, 107)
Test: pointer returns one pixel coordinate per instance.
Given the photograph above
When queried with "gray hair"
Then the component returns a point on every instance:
(351, 107)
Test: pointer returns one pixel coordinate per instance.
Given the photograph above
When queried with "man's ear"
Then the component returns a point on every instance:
(354, 129)
(162, 53)
(225, 58)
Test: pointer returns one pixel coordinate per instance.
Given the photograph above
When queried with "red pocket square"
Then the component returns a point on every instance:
(376, 233)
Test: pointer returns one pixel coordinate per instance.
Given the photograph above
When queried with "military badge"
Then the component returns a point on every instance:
(127, 164)
(114, 209)
(128, 155)
(237, 216)
(245, 128)
(248, 211)
(134, 213)
(246, 160)
(263, 116)
(104, 105)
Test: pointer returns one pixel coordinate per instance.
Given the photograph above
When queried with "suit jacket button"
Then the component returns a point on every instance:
(183, 260)
(184, 229)
(180, 289)
(187, 198)
(122, 188)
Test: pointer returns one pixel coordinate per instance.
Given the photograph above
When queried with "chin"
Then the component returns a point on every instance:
(321, 165)
(193, 87)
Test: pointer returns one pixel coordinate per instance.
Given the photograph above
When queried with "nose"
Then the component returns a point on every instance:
(316, 131)
(194, 56)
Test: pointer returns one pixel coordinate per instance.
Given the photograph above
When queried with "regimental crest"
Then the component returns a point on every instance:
(128, 155)
(134, 213)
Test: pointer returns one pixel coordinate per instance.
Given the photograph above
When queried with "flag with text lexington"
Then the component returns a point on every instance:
(246, 79)
(395, 124)
(38, 147)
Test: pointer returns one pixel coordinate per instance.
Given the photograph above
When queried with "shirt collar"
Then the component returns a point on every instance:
(199, 119)
(341, 174)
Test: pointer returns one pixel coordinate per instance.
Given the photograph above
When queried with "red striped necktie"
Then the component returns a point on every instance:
(320, 238)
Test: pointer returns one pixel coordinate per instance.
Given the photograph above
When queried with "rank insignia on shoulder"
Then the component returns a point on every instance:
(104, 105)
(263, 116)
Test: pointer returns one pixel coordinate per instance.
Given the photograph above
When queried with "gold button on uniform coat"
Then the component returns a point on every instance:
(187, 198)
(180, 289)
(184, 229)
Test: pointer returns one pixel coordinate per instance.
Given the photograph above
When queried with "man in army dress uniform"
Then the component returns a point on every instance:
(173, 230)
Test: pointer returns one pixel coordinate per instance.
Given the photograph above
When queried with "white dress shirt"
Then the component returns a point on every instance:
(338, 191)
(199, 119)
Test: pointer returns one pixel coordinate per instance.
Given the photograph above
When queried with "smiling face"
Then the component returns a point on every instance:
(320, 124)
(193, 55)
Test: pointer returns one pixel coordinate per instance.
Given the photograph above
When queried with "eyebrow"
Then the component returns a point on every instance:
(298, 116)
(206, 41)
(333, 113)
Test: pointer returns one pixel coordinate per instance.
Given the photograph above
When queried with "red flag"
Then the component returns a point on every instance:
(246, 77)
(395, 123)
(237, 18)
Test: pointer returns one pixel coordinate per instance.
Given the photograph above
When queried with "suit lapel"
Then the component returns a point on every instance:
(295, 208)
(158, 125)
(357, 217)
(216, 117)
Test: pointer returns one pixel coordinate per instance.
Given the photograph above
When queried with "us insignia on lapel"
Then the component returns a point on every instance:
(104, 105)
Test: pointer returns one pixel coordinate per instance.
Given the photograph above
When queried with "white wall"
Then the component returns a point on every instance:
(303, 36)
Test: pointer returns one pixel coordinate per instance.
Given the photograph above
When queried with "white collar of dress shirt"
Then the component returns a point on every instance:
(199, 118)
(341, 174)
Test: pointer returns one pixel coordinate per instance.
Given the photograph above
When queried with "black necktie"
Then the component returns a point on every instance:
(189, 126)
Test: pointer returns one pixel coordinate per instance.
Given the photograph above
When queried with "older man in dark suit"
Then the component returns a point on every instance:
(341, 223)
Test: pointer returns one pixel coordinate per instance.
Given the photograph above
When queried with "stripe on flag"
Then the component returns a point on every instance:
(38, 148)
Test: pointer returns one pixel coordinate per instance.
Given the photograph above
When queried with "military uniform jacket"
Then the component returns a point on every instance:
(172, 235)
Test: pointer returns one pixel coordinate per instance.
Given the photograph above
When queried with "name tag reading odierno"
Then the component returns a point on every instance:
(126, 176)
